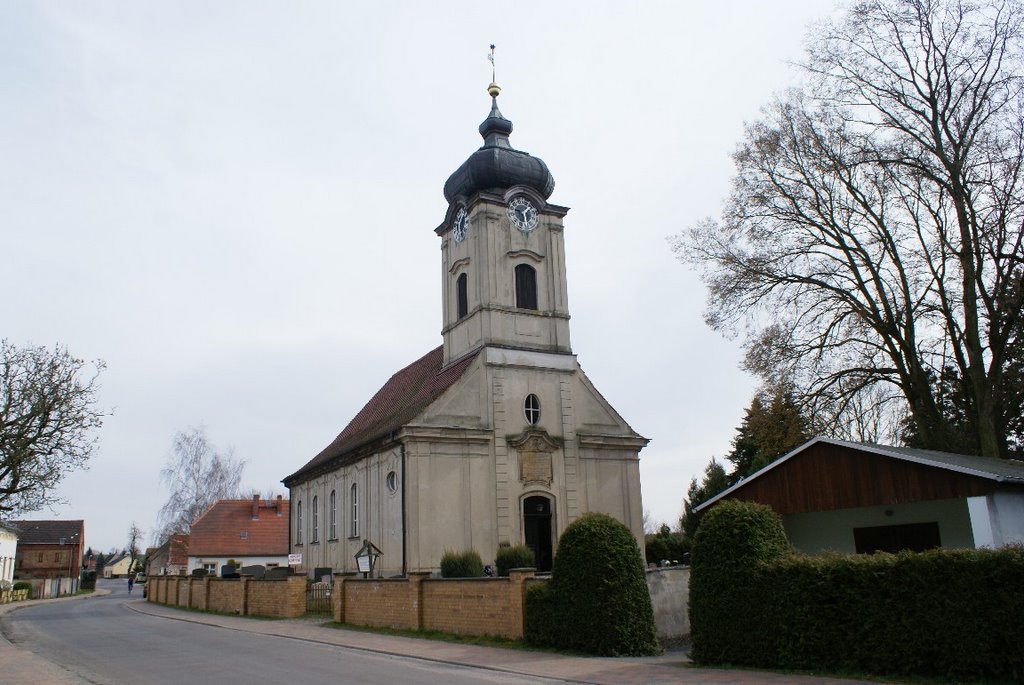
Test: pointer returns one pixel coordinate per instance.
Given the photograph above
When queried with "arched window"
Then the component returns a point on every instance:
(316, 520)
(334, 517)
(298, 523)
(531, 407)
(354, 531)
(526, 286)
(462, 295)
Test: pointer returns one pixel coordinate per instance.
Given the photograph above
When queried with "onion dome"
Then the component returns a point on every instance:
(497, 166)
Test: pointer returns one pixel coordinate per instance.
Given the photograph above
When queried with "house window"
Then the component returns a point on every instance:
(210, 568)
(526, 286)
(462, 295)
(916, 537)
(39, 558)
(354, 532)
(392, 482)
(298, 523)
(532, 409)
(316, 520)
(334, 517)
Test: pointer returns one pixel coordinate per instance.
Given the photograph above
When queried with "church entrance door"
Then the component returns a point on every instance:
(537, 530)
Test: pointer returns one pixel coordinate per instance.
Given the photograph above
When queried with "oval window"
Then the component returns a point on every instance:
(532, 409)
(392, 481)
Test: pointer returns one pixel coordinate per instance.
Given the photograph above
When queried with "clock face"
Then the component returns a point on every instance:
(522, 214)
(459, 225)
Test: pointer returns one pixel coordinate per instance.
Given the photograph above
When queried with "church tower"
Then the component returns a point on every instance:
(503, 257)
(496, 436)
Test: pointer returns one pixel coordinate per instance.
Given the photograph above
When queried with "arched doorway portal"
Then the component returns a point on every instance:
(537, 529)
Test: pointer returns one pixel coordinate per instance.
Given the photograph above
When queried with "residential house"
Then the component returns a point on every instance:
(250, 532)
(8, 553)
(853, 497)
(495, 437)
(170, 558)
(49, 549)
(118, 566)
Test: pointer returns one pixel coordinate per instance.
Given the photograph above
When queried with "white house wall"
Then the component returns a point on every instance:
(998, 519)
(218, 561)
(818, 532)
(8, 551)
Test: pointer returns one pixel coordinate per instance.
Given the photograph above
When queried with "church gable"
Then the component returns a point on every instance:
(593, 412)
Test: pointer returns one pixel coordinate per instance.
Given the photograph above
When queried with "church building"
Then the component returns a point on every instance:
(495, 437)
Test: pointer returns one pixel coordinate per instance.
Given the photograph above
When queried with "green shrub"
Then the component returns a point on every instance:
(464, 564)
(508, 558)
(540, 625)
(598, 597)
(955, 614)
(88, 580)
(729, 622)
(22, 585)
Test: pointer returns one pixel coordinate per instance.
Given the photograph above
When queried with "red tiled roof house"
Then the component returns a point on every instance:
(251, 532)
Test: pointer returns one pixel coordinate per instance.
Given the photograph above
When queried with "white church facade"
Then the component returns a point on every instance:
(497, 436)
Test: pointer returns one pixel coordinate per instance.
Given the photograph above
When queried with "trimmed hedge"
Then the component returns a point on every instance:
(597, 600)
(508, 558)
(955, 614)
(728, 620)
(464, 564)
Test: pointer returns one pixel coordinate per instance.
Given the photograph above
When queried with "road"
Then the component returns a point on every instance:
(103, 641)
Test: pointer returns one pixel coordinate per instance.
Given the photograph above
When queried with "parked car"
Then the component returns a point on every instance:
(140, 578)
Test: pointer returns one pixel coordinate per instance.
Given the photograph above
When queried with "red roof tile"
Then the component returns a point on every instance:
(403, 398)
(229, 529)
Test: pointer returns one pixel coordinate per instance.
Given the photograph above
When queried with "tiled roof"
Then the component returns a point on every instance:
(229, 529)
(403, 398)
(48, 532)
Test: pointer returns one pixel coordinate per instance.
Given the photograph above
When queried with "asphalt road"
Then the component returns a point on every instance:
(104, 642)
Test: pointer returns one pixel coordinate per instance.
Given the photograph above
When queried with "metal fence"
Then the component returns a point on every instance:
(318, 598)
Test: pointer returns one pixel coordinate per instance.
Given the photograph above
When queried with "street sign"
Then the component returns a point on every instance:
(295, 559)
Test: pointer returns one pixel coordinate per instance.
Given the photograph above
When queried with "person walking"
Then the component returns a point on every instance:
(131, 584)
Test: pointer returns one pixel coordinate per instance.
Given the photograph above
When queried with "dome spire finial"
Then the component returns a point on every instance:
(494, 89)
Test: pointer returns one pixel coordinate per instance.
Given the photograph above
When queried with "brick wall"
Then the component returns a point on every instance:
(285, 598)
(468, 606)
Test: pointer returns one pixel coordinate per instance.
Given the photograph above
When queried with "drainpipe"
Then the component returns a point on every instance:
(401, 452)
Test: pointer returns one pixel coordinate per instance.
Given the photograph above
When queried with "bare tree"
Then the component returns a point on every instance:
(48, 416)
(134, 540)
(873, 235)
(197, 475)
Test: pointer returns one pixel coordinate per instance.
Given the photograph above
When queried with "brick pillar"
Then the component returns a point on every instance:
(296, 586)
(338, 595)
(204, 598)
(244, 592)
(517, 578)
(415, 581)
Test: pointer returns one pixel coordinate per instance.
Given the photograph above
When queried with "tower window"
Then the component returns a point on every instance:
(532, 409)
(462, 295)
(298, 523)
(526, 286)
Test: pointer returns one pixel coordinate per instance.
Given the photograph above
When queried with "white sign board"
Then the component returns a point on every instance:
(364, 563)
(295, 559)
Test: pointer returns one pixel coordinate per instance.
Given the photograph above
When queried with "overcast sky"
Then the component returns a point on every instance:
(232, 204)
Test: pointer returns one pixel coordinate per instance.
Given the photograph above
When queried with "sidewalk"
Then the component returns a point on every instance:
(21, 666)
(673, 667)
